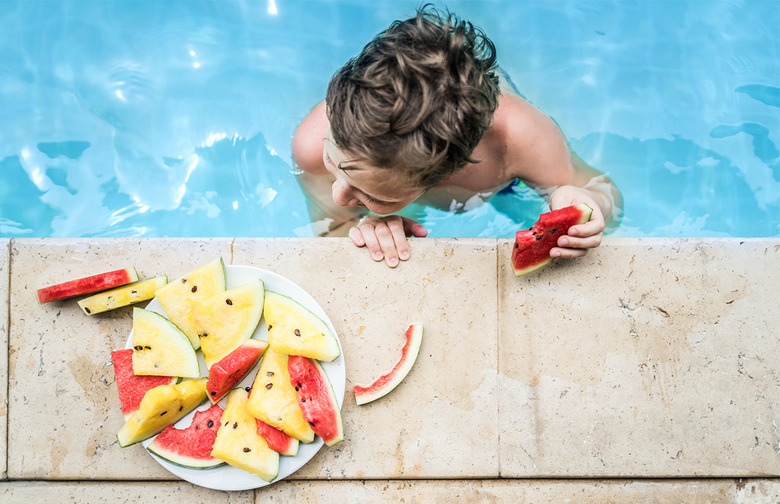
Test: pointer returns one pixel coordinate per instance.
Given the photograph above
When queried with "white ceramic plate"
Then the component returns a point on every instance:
(232, 478)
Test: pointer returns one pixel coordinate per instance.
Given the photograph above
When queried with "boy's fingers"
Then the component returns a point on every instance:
(387, 243)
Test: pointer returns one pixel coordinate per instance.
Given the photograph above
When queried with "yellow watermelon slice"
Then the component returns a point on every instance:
(160, 348)
(227, 319)
(275, 401)
(238, 442)
(122, 296)
(160, 407)
(294, 330)
(178, 296)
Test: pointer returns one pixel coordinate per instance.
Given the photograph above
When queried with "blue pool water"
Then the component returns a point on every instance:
(174, 118)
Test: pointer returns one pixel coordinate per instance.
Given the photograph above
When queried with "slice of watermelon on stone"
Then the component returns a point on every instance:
(132, 387)
(87, 285)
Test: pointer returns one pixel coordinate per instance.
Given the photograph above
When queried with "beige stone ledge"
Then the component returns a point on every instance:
(648, 357)
(4, 295)
(708, 491)
(62, 380)
(89, 492)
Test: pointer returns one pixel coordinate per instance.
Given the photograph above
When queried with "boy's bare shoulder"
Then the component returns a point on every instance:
(308, 141)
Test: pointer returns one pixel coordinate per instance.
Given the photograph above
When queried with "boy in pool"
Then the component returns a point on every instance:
(419, 115)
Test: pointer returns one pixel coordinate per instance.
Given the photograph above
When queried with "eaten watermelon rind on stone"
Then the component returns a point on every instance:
(388, 381)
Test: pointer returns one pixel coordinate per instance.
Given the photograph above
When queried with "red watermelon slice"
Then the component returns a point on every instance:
(532, 246)
(231, 369)
(316, 398)
(388, 381)
(131, 387)
(277, 440)
(190, 447)
(87, 285)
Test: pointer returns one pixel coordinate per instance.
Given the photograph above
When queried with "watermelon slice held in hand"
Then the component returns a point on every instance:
(191, 446)
(390, 380)
(532, 246)
(87, 285)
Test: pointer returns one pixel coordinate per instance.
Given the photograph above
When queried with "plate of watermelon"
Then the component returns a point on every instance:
(286, 294)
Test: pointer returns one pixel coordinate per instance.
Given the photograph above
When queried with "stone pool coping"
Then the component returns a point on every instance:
(649, 367)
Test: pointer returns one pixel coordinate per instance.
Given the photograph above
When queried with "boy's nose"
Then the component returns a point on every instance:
(342, 194)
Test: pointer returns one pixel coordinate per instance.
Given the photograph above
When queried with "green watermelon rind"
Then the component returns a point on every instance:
(586, 212)
(182, 460)
(334, 403)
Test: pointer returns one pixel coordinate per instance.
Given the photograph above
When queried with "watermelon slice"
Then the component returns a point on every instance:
(532, 246)
(388, 381)
(190, 447)
(225, 374)
(133, 387)
(277, 440)
(122, 296)
(316, 398)
(87, 285)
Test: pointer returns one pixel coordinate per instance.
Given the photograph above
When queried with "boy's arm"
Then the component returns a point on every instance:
(540, 156)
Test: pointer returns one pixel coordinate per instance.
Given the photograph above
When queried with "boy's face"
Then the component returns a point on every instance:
(383, 191)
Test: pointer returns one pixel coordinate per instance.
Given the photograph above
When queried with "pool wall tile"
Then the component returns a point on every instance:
(5, 245)
(648, 357)
(426, 426)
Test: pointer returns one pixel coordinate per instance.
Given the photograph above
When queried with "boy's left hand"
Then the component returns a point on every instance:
(385, 237)
(581, 237)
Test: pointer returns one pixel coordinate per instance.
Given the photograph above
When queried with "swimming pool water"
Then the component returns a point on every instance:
(145, 118)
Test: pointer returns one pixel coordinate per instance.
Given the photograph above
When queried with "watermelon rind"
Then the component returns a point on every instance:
(176, 454)
(160, 348)
(87, 285)
(295, 330)
(383, 385)
(316, 398)
(122, 296)
(531, 249)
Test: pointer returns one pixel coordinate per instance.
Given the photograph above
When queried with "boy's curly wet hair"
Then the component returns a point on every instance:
(418, 98)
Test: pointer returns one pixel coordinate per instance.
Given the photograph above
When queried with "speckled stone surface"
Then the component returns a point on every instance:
(61, 373)
(442, 420)
(709, 491)
(4, 295)
(117, 493)
(647, 357)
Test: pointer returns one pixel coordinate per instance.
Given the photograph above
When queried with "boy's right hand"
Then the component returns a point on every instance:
(385, 237)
